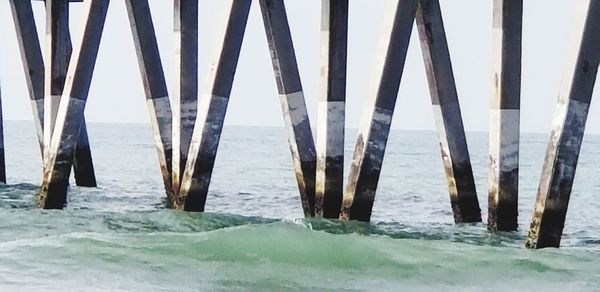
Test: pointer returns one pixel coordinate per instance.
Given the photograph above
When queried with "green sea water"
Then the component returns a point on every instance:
(121, 237)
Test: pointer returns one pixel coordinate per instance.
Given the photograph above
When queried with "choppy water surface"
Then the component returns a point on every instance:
(121, 237)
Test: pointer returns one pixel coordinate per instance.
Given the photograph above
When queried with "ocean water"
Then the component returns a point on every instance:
(120, 236)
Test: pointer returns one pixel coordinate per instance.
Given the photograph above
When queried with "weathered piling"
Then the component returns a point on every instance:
(213, 107)
(292, 100)
(58, 54)
(570, 117)
(377, 114)
(2, 155)
(185, 93)
(53, 193)
(447, 114)
(329, 188)
(504, 116)
(83, 166)
(155, 86)
(33, 63)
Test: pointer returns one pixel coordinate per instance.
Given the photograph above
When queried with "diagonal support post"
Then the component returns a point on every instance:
(505, 106)
(58, 54)
(213, 107)
(33, 63)
(292, 100)
(447, 114)
(566, 137)
(185, 93)
(53, 193)
(155, 86)
(373, 133)
(329, 188)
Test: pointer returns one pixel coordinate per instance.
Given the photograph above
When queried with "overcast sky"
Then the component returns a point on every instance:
(117, 96)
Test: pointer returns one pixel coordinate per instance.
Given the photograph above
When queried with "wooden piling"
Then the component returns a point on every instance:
(58, 52)
(504, 116)
(213, 106)
(155, 86)
(185, 93)
(447, 114)
(377, 114)
(53, 193)
(329, 188)
(570, 117)
(292, 100)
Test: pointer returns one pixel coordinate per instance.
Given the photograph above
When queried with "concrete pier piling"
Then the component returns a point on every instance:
(155, 86)
(185, 93)
(2, 154)
(188, 128)
(83, 165)
(359, 195)
(292, 100)
(568, 128)
(505, 116)
(33, 63)
(58, 54)
(53, 193)
(447, 114)
(213, 107)
(331, 111)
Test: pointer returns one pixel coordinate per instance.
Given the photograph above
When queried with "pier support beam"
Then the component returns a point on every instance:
(504, 116)
(213, 106)
(83, 166)
(377, 114)
(58, 50)
(155, 86)
(570, 117)
(292, 100)
(33, 63)
(2, 155)
(185, 93)
(329, 188)
(58, 53)
(53, 193)
(447, 114)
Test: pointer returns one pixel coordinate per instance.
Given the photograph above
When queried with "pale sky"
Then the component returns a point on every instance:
(117, 96)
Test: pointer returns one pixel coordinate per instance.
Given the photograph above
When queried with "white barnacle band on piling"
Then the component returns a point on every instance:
(568, 128)
(446, 112)
(155, 86)
(213, 107)
(53, 193)
(503, 174)
(329, 186)
(292, 100)
(377, 115)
